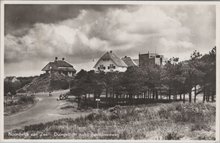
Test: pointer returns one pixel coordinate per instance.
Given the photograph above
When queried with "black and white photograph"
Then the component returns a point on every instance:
(109, 71)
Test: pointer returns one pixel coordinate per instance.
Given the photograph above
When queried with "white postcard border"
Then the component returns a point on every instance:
(3, 2)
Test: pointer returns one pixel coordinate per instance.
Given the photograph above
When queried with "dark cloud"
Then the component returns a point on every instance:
(23, 16)
(35, 34)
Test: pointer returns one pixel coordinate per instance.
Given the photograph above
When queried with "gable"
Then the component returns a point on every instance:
(109, 56)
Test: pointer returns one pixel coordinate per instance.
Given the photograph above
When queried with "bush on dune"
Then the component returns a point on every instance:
(179, 112)
(26, 99)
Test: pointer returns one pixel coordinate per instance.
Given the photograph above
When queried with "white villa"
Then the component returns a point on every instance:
(109, 62)
(60, 66)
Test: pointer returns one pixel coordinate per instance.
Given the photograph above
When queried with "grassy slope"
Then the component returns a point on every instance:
(44, 83)
(172, 121)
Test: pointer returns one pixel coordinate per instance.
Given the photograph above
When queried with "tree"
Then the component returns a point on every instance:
(11, 87)
(193, 74)
(132, 82)
(172, 77)
(209, 70)
(80, 86)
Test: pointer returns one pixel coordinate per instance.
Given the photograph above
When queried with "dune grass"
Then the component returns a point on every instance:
(20, 103)
(173, 121)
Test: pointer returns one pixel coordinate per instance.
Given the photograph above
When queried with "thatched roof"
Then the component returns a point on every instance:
(59, 65)
(128, 61)
(111, 56)
(136, 61)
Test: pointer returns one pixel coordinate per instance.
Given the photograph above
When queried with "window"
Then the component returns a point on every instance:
(101, 67)
(111, 66)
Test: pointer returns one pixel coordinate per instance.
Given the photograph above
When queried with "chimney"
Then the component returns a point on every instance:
(63, 59)
(56, 58)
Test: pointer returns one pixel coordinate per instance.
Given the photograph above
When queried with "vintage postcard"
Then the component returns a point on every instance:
(114, 70)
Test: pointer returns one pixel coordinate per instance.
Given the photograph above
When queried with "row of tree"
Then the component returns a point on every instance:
(173, 80)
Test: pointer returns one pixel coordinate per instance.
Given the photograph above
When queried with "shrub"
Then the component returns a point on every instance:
(26, 99)
(200, 126)
(206, 137)
(35, 127)
(125, 135)
(189, 112)
(57, 129)
(14, 109)
(172, 136)
(81, 121)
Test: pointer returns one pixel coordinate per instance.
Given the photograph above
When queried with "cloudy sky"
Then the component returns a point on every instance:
(35, 34)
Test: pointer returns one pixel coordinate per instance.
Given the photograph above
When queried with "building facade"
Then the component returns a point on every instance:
(150, 59)
(110, 62)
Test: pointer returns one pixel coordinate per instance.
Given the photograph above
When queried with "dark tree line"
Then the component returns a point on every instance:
(12, 87)
(173, 81)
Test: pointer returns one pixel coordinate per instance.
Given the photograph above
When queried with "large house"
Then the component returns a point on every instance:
(109, 62)
(60, 66)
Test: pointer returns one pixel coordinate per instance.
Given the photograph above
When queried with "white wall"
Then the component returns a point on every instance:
(107, 63)
(70, 74)
(157, 61)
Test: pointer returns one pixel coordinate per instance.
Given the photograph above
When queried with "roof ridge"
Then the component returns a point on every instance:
(57, 64)
(112, 56)
(66, 62)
